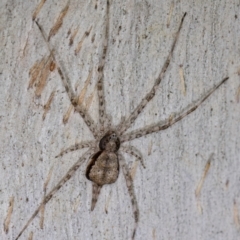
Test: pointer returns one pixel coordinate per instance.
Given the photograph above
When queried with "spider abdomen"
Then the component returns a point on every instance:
(104, 168)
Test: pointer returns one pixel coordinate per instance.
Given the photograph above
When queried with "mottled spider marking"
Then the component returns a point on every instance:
(73, 99)
(171, 120)
(129, 183)
(104, 168)
(133, 116)
(134, 152)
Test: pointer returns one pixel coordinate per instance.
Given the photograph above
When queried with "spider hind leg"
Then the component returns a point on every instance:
(129, 183)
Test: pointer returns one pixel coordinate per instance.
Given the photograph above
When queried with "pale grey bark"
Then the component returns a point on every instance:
(207, 51)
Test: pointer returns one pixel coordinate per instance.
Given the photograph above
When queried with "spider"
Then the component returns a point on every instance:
(106, 149)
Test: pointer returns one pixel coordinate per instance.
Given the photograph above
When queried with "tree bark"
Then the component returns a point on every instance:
(190, 187)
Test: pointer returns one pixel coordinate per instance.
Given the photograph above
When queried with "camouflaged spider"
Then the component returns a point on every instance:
(106, 159)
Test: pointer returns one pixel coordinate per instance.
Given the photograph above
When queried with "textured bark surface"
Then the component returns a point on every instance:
(141, 34)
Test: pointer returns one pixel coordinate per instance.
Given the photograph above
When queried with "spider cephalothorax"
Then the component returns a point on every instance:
(107, 141)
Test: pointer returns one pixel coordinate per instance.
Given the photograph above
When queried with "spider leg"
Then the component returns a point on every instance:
(77, 146)
(133, 116)
(129, 183)
(134, 152)
(100, 85)
(73, 99)
(49, 196)
(95, 193)
(174, 118)
(108, 122)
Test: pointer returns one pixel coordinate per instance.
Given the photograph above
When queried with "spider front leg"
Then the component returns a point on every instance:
(73, 99)
(100, 85)
(133, 116)
(174, 118)
(129, 183)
